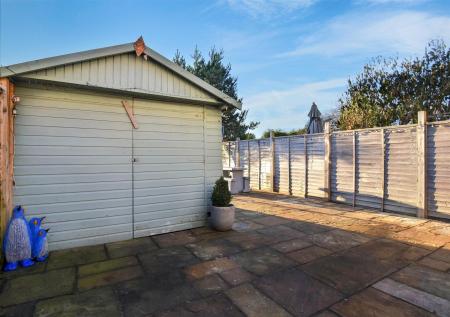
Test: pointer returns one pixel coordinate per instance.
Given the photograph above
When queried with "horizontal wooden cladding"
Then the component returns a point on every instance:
(125, 72)
(281, 169)
(369, 169)
(73, 164)
(315, 149)
(266, 164)
(401, 170)
(438, 169)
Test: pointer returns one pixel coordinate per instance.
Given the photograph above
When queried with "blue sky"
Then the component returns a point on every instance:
(286, 54)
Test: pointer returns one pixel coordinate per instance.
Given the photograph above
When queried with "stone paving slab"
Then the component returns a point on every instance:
(337, 240)
(262, 261)
(435, 264)
(291, 245)
(427, 301)
(168, 259)
(308, 254)
(130, 247)
(372, 302)
(95, 303)
(280, 233)
(174, 238)
(18, 310)
(109, 278)
(76, 256)
(38, 286)
(218, 305)
(253, 303)
(425, 279)
(359, 268)
(298, 293)
(105, 266)
(211, 249)
(203, 269)
(140, 298)
(210, 285)
(285, 256)
(236, 276)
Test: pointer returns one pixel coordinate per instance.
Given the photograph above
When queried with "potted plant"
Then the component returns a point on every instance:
(222, 212)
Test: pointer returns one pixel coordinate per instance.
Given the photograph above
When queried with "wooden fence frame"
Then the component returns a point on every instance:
(421, 139)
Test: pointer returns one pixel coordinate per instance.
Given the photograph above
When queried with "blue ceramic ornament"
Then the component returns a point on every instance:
(17, 241)
(35, 226)
(40, 246)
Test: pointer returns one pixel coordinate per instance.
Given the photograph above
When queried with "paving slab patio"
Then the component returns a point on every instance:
(285, 256)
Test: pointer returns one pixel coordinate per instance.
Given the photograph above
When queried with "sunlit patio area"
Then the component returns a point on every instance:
(284, 257)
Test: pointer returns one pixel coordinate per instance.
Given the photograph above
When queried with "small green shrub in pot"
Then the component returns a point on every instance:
(222, 212)
(221, 196)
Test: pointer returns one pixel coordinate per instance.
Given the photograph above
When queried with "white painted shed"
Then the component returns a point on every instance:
(79, 161)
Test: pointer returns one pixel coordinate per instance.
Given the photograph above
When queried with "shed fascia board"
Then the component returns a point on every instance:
(26, 67)
(192, 78)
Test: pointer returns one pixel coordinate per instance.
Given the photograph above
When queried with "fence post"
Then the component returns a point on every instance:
(238, 153)
(272, 160)
(383, 168)
(422, 165)
(327, 160)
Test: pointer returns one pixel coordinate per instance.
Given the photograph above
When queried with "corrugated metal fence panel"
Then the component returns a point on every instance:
(438, 168)
(341, 173)
(369, 168)
(281, 169)
(244, 156)
(315, 154)
(298, 165)
(266, 164)
(401, 170)
(254, 164)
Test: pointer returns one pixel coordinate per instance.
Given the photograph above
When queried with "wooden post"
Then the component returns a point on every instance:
(354, 169)
(327, 160)
(383, 169)
(305, 156)
(238, 153)
(6, 152)
(422, 211)
(272, 160)
(289, 167)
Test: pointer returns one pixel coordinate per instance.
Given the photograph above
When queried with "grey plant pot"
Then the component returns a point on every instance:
(222, 218)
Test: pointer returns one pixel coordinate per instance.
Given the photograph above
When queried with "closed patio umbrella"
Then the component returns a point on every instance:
(315, 122)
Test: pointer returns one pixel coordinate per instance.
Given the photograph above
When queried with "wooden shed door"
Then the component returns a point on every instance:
(73, 165)
(169, 167)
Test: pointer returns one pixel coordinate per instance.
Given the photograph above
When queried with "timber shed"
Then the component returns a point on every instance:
(109, 144)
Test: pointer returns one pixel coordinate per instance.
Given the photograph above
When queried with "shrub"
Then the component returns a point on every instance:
(221, 196)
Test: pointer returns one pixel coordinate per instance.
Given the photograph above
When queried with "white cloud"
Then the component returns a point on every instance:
(288, 108)
(404, 32)
(266, 8)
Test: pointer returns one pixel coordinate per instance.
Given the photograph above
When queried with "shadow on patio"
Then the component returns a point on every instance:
(285, 257)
